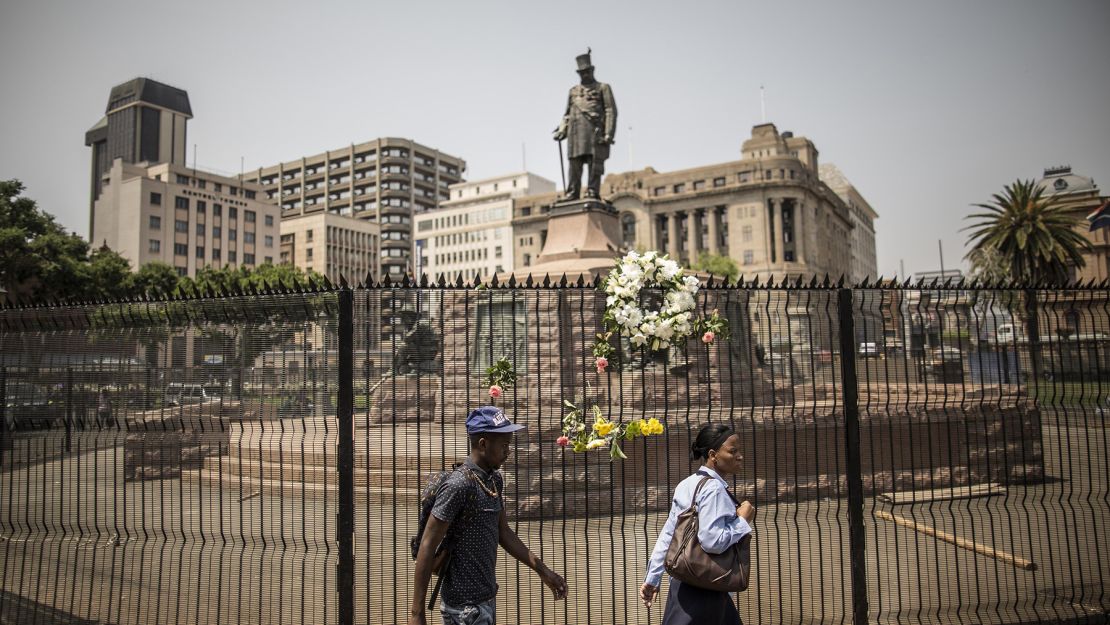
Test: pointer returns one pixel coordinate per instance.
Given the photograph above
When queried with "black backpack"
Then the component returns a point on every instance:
(427, 502)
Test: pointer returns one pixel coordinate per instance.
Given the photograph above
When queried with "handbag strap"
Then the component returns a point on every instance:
(729, 492)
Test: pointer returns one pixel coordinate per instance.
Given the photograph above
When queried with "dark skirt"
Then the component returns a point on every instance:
(690, 605)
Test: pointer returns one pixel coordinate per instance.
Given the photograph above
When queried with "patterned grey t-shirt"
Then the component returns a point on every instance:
(474, 517)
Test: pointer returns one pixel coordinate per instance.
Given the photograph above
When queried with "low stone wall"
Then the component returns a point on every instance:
(792, 454)
(161, 443)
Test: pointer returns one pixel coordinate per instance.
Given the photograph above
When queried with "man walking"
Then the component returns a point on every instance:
(468, 518)
(589, 125)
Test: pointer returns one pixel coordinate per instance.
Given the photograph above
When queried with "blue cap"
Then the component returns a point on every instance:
(489, 419)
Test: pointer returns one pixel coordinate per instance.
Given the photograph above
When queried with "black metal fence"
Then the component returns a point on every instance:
(916, 454)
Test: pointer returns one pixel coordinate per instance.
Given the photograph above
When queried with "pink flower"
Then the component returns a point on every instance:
(495, 391)
(708, 337)
(602, 362)
(563, 441)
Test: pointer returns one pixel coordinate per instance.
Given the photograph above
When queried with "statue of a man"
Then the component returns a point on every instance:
(589, 125)
(419, 346)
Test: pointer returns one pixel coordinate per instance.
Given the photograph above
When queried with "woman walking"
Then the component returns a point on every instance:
(722, 523)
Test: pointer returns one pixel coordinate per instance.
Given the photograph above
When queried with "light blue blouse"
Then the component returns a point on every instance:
(719, 527)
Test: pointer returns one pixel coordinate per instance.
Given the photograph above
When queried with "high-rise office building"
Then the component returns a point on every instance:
(387, 181)
(145, 122)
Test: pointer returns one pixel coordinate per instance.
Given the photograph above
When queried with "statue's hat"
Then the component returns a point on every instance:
(584, 61)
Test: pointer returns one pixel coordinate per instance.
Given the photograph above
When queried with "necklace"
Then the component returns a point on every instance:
(492, 492)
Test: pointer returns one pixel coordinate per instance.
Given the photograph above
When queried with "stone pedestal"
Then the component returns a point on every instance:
(403, 399)
(583, 237)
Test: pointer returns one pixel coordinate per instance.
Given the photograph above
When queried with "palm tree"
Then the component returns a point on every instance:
(1033, 239)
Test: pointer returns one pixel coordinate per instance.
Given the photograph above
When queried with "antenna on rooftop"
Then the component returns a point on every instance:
(762, 107)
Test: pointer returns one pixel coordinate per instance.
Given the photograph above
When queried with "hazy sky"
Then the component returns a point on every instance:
(927, 107)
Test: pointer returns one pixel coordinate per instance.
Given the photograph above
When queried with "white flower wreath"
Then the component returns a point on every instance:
(671, 324)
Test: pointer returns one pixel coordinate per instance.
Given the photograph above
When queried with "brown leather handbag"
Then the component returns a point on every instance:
(689, 563)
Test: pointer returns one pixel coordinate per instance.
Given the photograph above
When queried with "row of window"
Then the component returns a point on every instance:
(181, 249)
(217, 209)
(200, 183)
(741, 177)
(180, 225)
(466, 256)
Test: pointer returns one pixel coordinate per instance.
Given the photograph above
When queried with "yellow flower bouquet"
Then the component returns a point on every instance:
(602, 433)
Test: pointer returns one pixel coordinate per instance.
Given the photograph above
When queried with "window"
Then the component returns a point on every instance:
(527, 260)
(719, 182)
(181, 271)
(269, 220)
(746, 234)
(744, 176)
(181, 202)
(659, 191)
(231, 256)
(232, 212)
(248, 193)
(248, 259)
(680, 188)
(269, 241)
(749, 257)
(156, 199)
(155, 222)
(269, 260)
(200, 251)
(201, 184)
(308, 253)
(215, 232)
(217, 187)
(182, 179)
(200, 230)
(249, 216)
(788, 256)
(217, 210)
(232, 190)
(155, 246)
(180, 226)
(699, 185)
(497, 252)
(248, 237)
(308, 235)
(215, 253)
(231, 234)
(201, 207)
(180, 249)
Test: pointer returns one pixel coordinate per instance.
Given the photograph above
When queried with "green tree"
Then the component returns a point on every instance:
(267, 327)
(38, 258)
(718, 266)
(155, 280)
(1033, 237)
(108, 275)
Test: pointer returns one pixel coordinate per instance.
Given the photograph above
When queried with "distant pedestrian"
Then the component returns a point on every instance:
(468, 518)
(722, 523)
(104, 408)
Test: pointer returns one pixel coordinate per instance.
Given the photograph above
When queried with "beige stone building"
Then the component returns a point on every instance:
(769, 211)
(331, 245)
(472, 233)
(386, 181)
(530, 214)
(186, 218)
(1081, 196)
(864, 263)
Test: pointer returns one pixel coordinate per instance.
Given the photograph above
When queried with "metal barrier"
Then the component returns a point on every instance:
(917, 453)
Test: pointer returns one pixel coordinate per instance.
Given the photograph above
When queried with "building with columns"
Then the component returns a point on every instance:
(769, 211)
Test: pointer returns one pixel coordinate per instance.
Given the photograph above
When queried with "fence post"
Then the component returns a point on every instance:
(69, 409)
(345, 454)
(850, 385)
